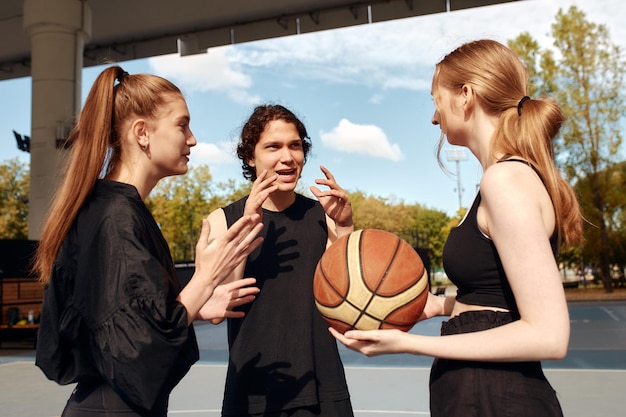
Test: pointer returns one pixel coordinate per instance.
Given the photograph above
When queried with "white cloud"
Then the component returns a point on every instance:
(401, 54)
(396, 54)
(361, 139)
(213, 71)
(209, 153)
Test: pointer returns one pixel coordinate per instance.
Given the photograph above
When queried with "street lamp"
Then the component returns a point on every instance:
(457, 155)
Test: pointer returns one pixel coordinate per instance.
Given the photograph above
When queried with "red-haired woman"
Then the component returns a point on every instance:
(114, 318)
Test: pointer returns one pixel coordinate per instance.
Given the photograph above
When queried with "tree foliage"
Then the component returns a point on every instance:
(615, 220)
(585, 74)
(421, 227)
(14, 186)
(179, 204)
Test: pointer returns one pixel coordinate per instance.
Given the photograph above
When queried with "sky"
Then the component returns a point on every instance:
(362, 92)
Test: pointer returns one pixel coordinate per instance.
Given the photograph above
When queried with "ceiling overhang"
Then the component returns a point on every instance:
(124, 30)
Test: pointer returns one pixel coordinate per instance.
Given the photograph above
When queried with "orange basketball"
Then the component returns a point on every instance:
(370, 279)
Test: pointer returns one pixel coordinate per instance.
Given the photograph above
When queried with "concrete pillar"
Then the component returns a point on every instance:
(58, 30)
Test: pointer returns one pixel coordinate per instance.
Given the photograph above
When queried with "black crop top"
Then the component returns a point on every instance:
(472, 263)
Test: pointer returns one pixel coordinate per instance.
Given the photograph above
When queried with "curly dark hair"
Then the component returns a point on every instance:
(256, 124)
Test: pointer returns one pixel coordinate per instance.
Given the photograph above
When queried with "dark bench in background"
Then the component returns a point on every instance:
(18, 289)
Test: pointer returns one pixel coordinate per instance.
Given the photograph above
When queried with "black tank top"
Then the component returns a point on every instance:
(472, 263)
(281, 353)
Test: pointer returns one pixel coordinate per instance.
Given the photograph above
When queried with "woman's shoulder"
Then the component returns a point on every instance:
(512, 191)
(505, 177)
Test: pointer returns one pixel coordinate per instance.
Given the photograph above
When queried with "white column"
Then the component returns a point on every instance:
(58, 30)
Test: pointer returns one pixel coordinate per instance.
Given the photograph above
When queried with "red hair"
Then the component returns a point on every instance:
(95, 148)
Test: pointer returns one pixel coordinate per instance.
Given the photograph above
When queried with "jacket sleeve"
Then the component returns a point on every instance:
(137, 329)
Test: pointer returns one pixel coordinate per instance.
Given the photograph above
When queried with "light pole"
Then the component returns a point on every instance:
(457, 155)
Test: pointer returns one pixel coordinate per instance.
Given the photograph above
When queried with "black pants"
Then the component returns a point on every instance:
(488, 389)
(99, 399)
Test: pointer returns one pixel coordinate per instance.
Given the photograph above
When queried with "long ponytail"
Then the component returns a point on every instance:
(96, 148)
(88, 141)
(526, 126)
(529, 133)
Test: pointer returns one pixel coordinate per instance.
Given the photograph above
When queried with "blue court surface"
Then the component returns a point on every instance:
(590, 381)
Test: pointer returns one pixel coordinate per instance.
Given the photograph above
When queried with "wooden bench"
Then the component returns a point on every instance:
(19, 332)
(25, 294)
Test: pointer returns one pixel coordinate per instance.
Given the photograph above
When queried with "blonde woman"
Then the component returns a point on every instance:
(510, 311)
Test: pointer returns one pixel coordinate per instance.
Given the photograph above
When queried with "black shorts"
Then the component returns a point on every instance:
(99, 399)
(488, 389)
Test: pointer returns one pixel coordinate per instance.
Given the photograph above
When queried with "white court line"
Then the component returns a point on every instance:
(610, 313)
(385, 412)
(366, 368)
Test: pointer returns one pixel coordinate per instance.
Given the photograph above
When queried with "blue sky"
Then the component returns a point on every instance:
(363, 93)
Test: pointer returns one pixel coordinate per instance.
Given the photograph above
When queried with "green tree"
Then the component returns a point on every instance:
(421, 227)
(370, 212)
(179, 204)
(14, 186)
(617, 241)
(428, 228)
(615, 203)
(586, 76)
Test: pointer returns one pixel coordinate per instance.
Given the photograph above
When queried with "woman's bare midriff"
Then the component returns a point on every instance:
(462, 308)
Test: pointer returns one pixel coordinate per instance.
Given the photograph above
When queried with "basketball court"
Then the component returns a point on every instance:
(590, 382)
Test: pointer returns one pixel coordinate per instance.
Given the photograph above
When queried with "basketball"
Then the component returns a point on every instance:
(370, 279)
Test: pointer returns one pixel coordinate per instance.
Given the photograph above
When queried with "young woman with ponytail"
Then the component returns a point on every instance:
(510, 310)
(114, 319)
